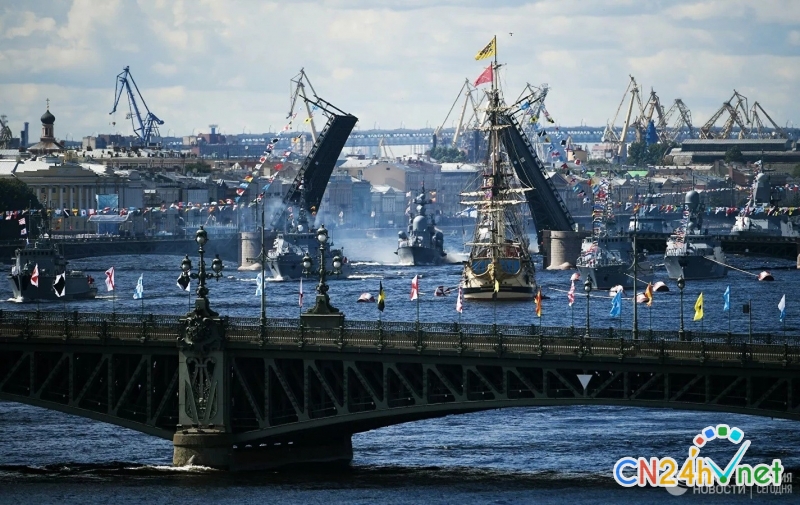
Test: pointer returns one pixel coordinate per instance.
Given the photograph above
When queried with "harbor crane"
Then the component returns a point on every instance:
(467, 92)
(670, 132)
(300, 82)
(757, 128)
(5, 132)
(610, 135)
(145, 128)
(735, 113)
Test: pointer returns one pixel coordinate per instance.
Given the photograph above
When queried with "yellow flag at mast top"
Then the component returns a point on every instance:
(487, 51)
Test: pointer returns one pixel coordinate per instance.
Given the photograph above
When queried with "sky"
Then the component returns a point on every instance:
(393, 64)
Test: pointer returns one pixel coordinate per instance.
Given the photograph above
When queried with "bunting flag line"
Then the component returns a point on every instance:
(35, 276)
(138, 293)
(698, 308)
(782, 307)
(60, 285)
(110, 279)
(381, 297)
(489, 50)
(415, 287)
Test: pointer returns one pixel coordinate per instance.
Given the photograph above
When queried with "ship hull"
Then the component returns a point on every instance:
(608, 276)
(77, 288)
(697, 267)
(505, 293)
(415, 256)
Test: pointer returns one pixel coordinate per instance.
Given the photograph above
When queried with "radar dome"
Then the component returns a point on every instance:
(419, 224)
(692, 199)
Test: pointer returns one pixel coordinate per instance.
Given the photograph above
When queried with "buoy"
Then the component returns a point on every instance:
(366, 298)
(660, 287)
(765, 276)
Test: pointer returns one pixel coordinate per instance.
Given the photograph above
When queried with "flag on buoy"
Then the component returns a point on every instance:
(110, 279)
(698, 308)
(35, 276)
(415, 287)
(460, 301)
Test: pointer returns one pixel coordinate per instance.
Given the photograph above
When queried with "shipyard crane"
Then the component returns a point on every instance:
(5, 132)
(300, 81)
(531, 105)
(734, 117)
(610, 134)
(670, 132)
(144, 128)
(651, 109)
(757, 126)
(467, 94)
(385, 149)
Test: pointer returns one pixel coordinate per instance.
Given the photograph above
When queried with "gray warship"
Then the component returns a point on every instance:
(285, 257)
(41, 259)
(690, 252)
(422, 243)
(608, 260)
(757, 219)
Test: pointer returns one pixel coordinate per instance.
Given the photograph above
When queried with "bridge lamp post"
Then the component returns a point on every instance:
(201, 304)
(587, 286)
(322, 305)
(681, 285)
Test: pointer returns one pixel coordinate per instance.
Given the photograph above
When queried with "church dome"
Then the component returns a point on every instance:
(48, 117)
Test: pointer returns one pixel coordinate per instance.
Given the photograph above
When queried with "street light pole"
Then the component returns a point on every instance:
(323, 305)
(635, 275)
(587, 286)
(201, 303)
(681, 285)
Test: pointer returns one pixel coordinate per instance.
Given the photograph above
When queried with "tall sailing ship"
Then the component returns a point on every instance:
(499, 264)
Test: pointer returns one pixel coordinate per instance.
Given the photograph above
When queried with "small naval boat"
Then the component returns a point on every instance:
(285, 258)
(499, 264)
(691, 253)
(757, 219)
(422, 243)
(39, 269)
(643, 220)
(608, 260)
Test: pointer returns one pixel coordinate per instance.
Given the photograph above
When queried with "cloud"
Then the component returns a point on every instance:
(389, 63)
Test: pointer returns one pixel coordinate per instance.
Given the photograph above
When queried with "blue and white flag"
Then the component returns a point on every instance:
(616, 305)
(138, 293)
(727, 297)
(782, 307)
(259, 284)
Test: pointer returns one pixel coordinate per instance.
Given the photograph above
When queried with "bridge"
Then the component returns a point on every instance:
(241, 393)
(227, 246)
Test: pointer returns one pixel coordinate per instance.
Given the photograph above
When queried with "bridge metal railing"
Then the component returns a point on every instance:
(500, 340)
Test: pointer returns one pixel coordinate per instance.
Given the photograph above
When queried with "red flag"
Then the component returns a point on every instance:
(460, 301)
(35, 276)
(415, 287)
(485, 77)
(571, 294)
(110, 279)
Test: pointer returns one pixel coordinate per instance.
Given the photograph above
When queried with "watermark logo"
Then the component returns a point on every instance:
(700, 471)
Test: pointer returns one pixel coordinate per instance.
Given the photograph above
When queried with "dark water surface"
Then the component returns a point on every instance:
(530, 455)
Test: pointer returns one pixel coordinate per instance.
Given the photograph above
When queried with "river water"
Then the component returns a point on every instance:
(524, 455)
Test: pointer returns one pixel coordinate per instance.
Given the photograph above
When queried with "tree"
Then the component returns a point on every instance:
(16, 195)
(637, 154)
(201, 167)
(446, 154)
(640, 154)
(733, 155)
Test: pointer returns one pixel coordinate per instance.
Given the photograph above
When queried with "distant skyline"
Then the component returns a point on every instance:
(391, 64)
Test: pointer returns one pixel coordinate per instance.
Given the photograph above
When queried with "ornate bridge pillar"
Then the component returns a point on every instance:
(203, 435)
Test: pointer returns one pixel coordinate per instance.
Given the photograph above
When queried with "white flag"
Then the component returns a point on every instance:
(415, 287)
(35, 276)
(60, 285)
(460, 301)
(301, 292)
(110, 279)
(259, 284)
(138, 293)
